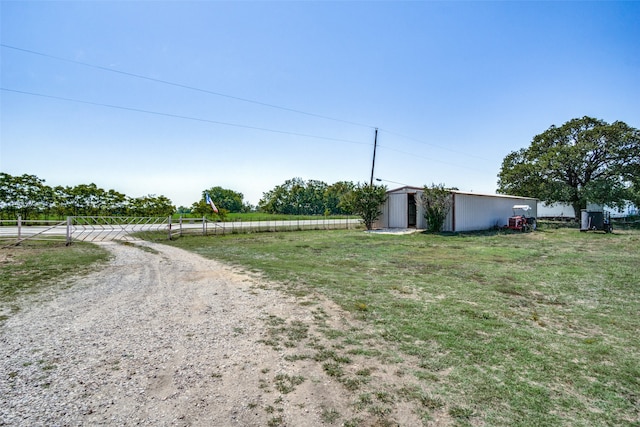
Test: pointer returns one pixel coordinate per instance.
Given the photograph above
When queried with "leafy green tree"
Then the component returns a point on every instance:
(366, 201)
(151, 205)
(115, 203)
(23, 195)
(183, 210)
(295, 197)
(223, 198)
(202, 208)
(27, 195)
(635, 194)
(436, 202)
(583, 160)
(64, 202)
(280, 198)
(48, 201)
(333, 196)
(313, 197)
(88, 199)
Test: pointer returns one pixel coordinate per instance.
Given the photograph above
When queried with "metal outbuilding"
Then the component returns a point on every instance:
(469, 211)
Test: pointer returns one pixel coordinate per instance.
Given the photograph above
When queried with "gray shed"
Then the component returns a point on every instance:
(469, 211)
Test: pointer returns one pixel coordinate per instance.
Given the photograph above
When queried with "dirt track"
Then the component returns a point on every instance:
(171, 338)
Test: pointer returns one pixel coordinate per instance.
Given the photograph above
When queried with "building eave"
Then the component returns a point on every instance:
(470, 193)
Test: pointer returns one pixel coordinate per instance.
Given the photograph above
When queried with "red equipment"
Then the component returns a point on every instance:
(520, 220)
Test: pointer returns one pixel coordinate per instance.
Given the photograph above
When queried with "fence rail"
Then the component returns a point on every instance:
(19, 230)
(104, 228)
(206, 227)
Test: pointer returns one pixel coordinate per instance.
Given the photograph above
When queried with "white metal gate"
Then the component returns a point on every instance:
(102, 228)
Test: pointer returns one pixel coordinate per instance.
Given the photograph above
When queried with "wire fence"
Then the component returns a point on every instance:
(207, 227)
(101, 228)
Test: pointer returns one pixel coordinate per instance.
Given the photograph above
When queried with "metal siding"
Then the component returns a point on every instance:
(448, 221)
(383, 219)
(398, 210)
(485, 212)
(470, 211)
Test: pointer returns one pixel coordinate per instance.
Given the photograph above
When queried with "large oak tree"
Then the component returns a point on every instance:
(585, 159)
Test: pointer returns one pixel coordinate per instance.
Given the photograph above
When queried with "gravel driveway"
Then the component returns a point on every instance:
(165, 337)
(157, 339)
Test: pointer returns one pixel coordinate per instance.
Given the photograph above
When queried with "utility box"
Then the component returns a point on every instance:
(595, 221)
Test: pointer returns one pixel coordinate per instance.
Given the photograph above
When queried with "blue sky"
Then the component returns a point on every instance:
(452, 86)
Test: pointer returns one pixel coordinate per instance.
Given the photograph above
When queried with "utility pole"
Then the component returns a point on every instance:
(373, 165)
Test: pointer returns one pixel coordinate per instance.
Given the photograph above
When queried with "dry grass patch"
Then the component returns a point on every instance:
(500, 329)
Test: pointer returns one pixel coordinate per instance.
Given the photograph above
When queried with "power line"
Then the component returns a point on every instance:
(237, 98)
(433, 145)
(431, 159)
(217, 122)
(178, 116)
(183, 86)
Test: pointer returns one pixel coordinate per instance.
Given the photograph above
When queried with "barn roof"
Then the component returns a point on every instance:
(412, 188)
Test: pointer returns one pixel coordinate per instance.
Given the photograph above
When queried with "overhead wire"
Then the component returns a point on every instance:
(255, 102)
(434, 145)
(237, 98)
(183, 86)
(179, 116)
(413, 154)
(238, 125)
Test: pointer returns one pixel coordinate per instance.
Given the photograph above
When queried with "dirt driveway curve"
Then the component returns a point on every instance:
(166, 337)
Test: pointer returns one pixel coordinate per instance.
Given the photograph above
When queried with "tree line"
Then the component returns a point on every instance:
(312, 197)
(583, 160)
(294, 197)
(28, 196)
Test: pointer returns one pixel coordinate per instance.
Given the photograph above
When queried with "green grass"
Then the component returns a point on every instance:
(286, 383)
(34, 265)
(509, 329)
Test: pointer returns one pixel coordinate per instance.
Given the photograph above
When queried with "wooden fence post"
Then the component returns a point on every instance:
(69, 230)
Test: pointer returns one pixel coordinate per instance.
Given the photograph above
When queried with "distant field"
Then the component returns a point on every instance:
(508, 328)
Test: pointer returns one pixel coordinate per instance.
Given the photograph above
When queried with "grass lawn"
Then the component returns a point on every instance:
(507, 329)
(34, 265)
